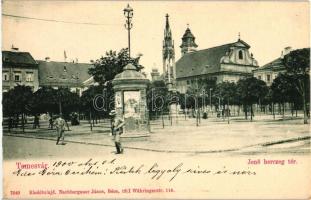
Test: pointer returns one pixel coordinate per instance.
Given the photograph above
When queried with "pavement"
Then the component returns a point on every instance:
(213, 135)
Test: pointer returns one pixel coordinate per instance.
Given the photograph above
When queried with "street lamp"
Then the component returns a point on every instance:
(128, 13)
(218, 103)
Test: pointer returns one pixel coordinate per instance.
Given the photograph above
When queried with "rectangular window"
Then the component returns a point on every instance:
(29, 76)
(17, 76)
(259, 77)
(5, 76)
(268, 78)
(188, 82)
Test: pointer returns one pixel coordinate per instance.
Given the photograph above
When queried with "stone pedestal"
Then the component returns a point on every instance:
(130, 101)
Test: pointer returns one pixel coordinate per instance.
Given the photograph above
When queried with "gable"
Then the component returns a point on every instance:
(241, 43)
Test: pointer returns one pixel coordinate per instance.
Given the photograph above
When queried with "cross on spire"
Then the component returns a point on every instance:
(239, 36)
(167, 24)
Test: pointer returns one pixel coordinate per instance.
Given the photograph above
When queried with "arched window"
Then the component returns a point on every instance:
(241, 55)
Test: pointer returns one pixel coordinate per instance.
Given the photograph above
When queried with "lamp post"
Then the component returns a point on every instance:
(218, 103)
(128, 13)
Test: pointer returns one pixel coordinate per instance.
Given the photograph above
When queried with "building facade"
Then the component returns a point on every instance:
(271, 70)
(19, 68)
(63, 74)
(228, 62)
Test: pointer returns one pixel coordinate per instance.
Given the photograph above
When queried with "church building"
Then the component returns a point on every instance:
(227, 62)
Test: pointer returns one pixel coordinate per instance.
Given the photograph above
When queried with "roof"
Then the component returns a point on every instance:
(63, 73)
(276, 64)
(129, 73)
(18, 58)
(188, 34)
(203, 61)
(188, 39)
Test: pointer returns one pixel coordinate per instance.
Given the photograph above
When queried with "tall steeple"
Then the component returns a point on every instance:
(168, 54)
(188, 42)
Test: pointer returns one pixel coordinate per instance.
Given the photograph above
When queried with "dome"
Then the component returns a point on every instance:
(188, 34)
(129, 79)
(129, 73)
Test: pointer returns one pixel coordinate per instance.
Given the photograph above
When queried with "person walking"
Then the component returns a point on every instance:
(117, 129)
(59, 124)
(51, 122)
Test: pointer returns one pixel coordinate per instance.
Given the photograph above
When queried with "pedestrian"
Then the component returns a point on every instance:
(59, 124)
(51, 122)
(36, 123)
(117, 129)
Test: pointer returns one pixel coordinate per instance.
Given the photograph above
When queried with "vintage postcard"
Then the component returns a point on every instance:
(156, 99)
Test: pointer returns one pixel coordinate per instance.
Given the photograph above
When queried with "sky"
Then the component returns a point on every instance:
(266, 26)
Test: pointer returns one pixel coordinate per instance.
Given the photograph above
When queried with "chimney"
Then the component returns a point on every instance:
(14, 49)
(47, 59)
(286, 51)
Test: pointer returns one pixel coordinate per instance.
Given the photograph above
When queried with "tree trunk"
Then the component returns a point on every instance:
(228, 113)
(273, 110)
(162, 119)
(196, 117)
(90, 120)
(10, 123)
(93, 119)
(283, 110)
(245, 110)
(171, 118)
(199, 115)
(251, 112)
(305, 120)
(23, 122)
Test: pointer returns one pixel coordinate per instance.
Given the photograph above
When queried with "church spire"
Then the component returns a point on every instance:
(168, 54)
(168, 42)
(167, 26)
(188, 42)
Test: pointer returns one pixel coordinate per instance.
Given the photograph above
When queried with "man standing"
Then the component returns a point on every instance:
(36, 123)
(117, 129)
(59, 124)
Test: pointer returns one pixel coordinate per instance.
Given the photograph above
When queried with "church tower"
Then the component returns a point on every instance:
(168, 53)
(188, 42)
